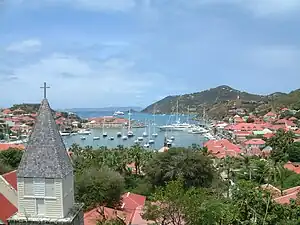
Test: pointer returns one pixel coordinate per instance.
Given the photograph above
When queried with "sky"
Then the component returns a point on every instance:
(98, 53)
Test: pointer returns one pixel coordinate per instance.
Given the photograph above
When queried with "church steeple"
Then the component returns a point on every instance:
(45, 155)
(45, 177)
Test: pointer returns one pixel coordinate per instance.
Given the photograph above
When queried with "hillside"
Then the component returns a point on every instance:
(220, 100)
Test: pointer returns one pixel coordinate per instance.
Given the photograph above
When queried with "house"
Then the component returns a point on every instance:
(222, 148)
(282, 198)
(255, 143)
(269, 116)
(130, 211)
(6, 146)
(293, 167)
(8, 207)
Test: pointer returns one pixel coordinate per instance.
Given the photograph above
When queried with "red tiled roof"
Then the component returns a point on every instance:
(243, 133)
(222, 148)
(270, 114)
(6, 146)
(255, 141)
(7, 209)
(268, 135)
(292, 167)
(131, 201)
(92, 217)
(293, 118)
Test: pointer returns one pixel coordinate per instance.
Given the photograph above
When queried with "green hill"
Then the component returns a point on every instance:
(218, 102)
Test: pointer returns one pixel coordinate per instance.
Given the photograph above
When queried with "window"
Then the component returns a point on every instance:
(40, 207)
(49, 191)
(39, 187)
(28, 186)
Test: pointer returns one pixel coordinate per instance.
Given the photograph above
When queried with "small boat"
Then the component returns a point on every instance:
(64, 133)
(124, 137)
(111, 138)
(104, 134)
(151, 141)
(136, 141)
(119, 134)
(96, 138)
(118, 113)
(130, 134)
(84, 132)
(146, 145)
(82, 138)
(169, 140)
(140, 138)
(154, 135)
(172, 138)
(145, 134)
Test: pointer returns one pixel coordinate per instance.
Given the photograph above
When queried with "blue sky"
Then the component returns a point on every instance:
(97, 53)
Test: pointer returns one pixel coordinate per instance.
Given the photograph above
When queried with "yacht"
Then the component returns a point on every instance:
(118, 113)
(136, 141)
(119, 134)
(111, 138)
(198, 130)
(154, 134)
(145, 134)
(104, 134)
(82, 138)
(140, 138)
(130, 134)
(64, 133)
(172, 138)
(151, 141)
(124, 137)
(96, 138)
(84, 132)
(209, 136)
(146, 145)
(176, 127)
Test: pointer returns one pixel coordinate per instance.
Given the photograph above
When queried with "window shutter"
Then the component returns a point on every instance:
(28, 186)
(39, 187)
(50, 185)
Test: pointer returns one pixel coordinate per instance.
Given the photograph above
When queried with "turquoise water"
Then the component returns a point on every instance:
(182, 139)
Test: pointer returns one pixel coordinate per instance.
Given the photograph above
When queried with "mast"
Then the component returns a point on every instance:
(129, 121)
(188, 115)
(177, 111)
(203, 114)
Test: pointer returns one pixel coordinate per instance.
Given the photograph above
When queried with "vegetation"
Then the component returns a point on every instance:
(218, 101)
(185, 185)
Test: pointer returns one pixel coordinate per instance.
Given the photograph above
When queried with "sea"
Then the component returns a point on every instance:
(182, 138)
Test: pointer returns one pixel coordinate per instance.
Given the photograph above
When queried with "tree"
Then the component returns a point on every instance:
(280, 144)
(96, 187)
(175, 205)
(11, 157)
(195, 168)
(294, 152)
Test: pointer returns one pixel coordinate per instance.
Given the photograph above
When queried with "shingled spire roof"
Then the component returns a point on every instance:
(45, 155)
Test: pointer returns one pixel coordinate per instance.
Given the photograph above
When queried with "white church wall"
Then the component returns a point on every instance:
(68, 189)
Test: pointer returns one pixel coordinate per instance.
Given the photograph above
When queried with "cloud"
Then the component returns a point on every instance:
(89, 5)
(257, 7)
(86, 81)
(26, 46)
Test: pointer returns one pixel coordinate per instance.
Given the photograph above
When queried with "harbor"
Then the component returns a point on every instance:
(153, 131)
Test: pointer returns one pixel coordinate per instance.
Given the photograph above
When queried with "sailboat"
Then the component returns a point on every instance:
(129, 133)
(145, 132)
(104, 134)
(151, 141)
(154, 134)
(124, 137)
(176, 126)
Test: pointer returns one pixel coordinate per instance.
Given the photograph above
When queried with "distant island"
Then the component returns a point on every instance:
(223, 101)
(108, 109)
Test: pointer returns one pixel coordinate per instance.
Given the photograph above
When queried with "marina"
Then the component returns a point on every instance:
(149, 136)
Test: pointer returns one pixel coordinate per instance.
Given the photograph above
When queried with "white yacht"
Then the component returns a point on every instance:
(145, 134)
(198, 130)
(104, 134)
(176, 127)
(82, 138)
(140, 138)
(151, 141)
(124, 137)
(96, 138)
(119, 134)
(118, 113)
(146, 145)
(84, 132)
(130, 133)
(154, 134)
(172, 138)
(111, 138)
(64, 133)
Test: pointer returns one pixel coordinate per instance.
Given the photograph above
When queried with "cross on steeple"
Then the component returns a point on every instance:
(45, 90)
